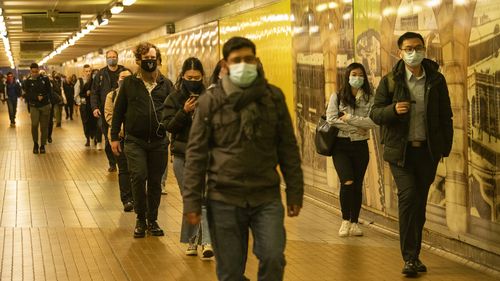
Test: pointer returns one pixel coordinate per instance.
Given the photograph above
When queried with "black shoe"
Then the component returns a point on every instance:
(12, 124)
(128, 207)
(42, 149)
(35, 148)
(112, 169)
(88, 142)
(409, 269)
(140, 229)
(58, 125)
(154, 229)
(49, 139)
(420, 266)
(71, 118)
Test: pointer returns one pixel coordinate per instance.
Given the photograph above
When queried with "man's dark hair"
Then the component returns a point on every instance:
(236, 43)
(86, 66)
(10, 73)
(34, 65)
(410, 35)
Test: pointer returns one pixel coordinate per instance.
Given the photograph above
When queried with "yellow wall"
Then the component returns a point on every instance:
(270, 29)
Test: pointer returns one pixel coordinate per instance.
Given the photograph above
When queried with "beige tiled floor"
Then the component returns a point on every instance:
(61, 219)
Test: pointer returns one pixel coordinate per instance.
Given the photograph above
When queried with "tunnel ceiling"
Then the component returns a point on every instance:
(141, 17)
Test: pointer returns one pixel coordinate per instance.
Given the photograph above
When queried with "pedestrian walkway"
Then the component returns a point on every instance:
(62, 219)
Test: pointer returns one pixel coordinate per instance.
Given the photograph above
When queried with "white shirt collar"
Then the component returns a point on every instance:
(409, 74)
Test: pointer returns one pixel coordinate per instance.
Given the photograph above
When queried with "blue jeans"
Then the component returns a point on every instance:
(229, 227)
(193, 234)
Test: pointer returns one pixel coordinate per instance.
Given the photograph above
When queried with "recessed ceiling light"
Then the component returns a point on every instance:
(117, 8)
(128, 2)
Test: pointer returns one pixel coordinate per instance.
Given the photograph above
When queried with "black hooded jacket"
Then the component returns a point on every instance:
(438, 118)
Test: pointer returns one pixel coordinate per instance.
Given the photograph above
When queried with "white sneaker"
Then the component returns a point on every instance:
(192, 250)
(99, 146)
(207, 252)
(344, 228)
(355, 230)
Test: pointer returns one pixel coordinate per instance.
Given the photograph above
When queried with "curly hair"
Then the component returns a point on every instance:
(143, 48)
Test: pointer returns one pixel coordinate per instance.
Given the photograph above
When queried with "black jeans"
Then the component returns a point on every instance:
(107, 147)
(351, 160)
(88, 121)
(146, 163)
(12, 106)
(124, 176)
(413, 182)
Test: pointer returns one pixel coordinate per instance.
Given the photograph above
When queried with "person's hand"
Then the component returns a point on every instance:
(345, 117)
(116, 148)
(193, 218)
(40, 98)
(88, 93)
(293, 210)
(402, 107)
(97, 113)
(190, 105)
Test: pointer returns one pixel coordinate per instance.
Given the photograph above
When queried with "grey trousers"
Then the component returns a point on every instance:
(40, 118)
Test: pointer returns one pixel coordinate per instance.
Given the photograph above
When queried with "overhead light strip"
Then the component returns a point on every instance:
(101, 19)
(5, 38)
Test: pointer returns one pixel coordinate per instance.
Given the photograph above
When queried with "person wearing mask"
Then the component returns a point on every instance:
(241, 133)
(105, 81)
(412, 104)
(349, 110)
(69, 93)
(57, 103)
(82, 99)
(38, 94)
(139, 105)
(13, 90)
(121, 160)
(180, 106)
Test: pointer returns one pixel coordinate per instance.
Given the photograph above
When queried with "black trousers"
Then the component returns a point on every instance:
(146, 163)
(107, 147)
(124, 176)
(12, 106)
(413, 182)
(351, 160)
(88, 121)
(69, 106)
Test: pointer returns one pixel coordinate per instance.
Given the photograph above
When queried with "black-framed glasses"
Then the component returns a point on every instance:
(410, 49)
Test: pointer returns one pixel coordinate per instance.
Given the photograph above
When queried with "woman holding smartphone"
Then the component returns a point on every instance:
(179, 108)
(349, 111)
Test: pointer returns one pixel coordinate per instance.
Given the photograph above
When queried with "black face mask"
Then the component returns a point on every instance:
(148, 65)
(193, 86)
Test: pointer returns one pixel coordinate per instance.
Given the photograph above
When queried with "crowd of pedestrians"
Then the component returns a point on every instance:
(228, 138)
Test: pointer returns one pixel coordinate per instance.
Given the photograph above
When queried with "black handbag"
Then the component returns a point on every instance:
(325, 137)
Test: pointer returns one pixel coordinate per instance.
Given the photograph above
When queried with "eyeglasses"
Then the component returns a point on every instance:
(410, 49)
(246, 59)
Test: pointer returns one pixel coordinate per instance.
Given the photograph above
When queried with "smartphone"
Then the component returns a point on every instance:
(341, 114)
(194, 96)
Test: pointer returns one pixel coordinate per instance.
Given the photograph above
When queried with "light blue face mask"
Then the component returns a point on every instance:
(112, 61)
(356, 81)
(242, 74)
(413, 58)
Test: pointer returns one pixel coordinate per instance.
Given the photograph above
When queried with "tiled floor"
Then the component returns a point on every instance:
(61, 219)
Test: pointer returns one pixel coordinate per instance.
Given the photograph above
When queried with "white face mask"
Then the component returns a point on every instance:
(242, 74)
(413, 58)
(356, 81)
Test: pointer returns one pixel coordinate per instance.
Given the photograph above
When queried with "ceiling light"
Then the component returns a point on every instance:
(128, 2)
(104, 22)
(117, 8)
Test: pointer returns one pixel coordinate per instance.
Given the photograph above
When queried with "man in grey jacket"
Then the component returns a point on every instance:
(241, 132)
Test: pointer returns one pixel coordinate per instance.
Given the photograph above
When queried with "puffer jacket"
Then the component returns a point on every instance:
(177, 121)
(438, 118)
